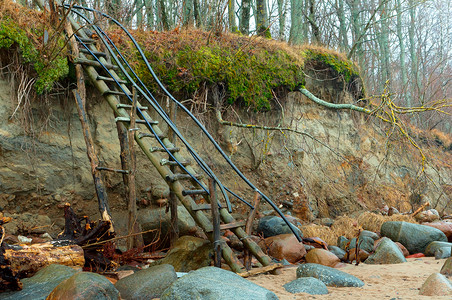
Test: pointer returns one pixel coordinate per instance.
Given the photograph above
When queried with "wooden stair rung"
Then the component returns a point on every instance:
(112, 170)
(138, 121)
(193, 192)
(166, 162)
(176, 177)
(94, 63)
(116, 93)
(96, 53)
(128, 106)
(109, 79)
(203, 206)
(151, 135)
(231, 225)
(160, 149)
(87, 40)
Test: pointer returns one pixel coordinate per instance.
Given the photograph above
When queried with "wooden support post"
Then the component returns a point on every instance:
(132, 205)
(249, 224)
(216, 223)
(80, 96)
(174, 228)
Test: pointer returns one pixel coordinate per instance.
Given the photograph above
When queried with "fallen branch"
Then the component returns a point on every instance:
(261, 270)
(421, 208)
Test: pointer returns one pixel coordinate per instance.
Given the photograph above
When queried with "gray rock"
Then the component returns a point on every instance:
(27, 222)
(414, 237)
(367, 233)
(446, 269)
(337, 251)
(329, 276)
(189, 253)
(434, 246)
(342, 242)
(443, 253)
(387, 252)
(85, 285)
(41, 284)
(436, 285)
(148, 283)
(272, 225)
(308, 285)
(366, 243)
(212, 283)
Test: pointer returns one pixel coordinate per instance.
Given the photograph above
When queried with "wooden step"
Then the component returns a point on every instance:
(96, 53)
(109, 79)
(116, 93)
(176, 177)
(159, 149)
(166, 162)
(112, 170)
(138, 121)
(232, 225)
(87, 40)
(128, 106)
(204, 206)
(194, 192)
(150, 135)
(93, 63)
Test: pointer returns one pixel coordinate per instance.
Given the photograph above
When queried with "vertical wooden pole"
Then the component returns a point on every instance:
(132, 206)
(174, 229)
(249, 224)
(215, 222)
(80, 96)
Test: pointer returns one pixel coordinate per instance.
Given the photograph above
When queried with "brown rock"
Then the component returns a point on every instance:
(322, 257)
(447, 267)
(362, 254)
(403, 249)
(445, 227)
(284, 246)
(436, 285)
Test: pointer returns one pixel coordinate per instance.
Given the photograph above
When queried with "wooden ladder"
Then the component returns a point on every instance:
(107, 85)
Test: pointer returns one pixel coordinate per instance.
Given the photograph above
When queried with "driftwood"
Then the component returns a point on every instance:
(265, 269)
(21, 261)
(91, 237)
(421, 208)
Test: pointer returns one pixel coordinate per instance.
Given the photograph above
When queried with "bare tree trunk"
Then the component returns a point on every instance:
(282, 10)
(245, 17)
(262, 24)
(343, 40)
(296, 35)
(231, 16)
(402, 51)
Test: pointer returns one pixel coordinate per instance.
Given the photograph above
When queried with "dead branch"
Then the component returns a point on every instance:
(261, 270)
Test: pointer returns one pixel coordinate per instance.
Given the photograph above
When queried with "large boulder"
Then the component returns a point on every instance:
(431, 248)
(445, 227)
(322, 257)
(329, 276)
(148, 283)
(337, 251)
(414, 237)
(85, 285)
(213, 283)
(387, 252)
(308, 285)
(284, 246)
(189, 253)
(271, 225)
(436, 285)
(41, 284)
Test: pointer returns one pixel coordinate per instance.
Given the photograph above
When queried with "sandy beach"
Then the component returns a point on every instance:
(398, 281)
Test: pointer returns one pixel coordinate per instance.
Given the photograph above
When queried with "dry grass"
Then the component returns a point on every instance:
(348, 227)
(323, 232)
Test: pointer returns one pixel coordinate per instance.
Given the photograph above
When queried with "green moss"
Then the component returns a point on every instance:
(48, 71)
(249, 75)
(343, 67)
